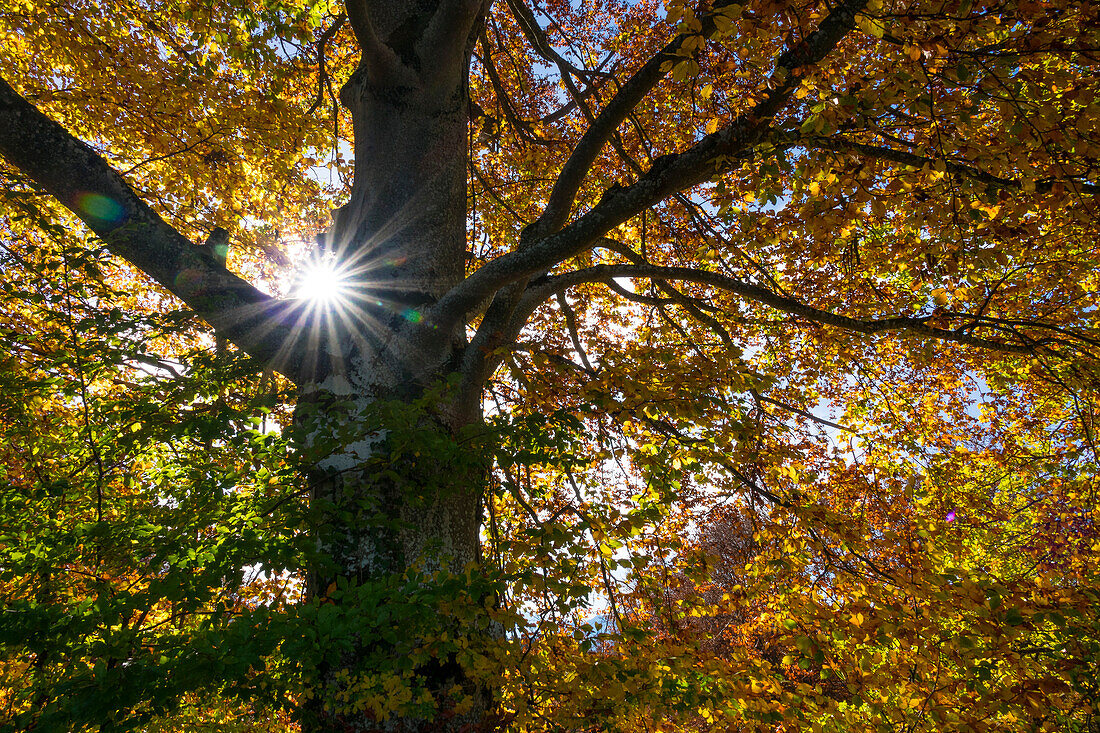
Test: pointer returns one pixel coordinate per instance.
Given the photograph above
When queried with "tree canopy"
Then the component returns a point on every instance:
(757, 341)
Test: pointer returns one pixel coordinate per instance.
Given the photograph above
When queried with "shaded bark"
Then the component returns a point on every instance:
(72, 172)
(397, 506)
(386, 514)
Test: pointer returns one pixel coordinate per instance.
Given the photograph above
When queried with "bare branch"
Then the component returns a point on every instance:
(323, 82)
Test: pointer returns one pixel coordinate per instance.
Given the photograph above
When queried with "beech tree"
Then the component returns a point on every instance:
(695, 366)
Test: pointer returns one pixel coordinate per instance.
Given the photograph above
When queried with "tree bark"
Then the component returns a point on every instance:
(396, 492)
(397, 509)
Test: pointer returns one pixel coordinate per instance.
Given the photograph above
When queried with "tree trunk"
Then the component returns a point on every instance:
(396, 491)
(397, 506)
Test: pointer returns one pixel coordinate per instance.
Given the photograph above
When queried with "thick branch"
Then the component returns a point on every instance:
(359, 17)
(536, 36)
(595, 137)
(668, 175)
(414, 44)
(574, 333)
(787, 76)
(79, 178)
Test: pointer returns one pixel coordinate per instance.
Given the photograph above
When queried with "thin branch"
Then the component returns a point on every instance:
(845, 145)
(571, 324)
(518, 124)
(688, 303)
(911, 324)
(174, 153)
(323, 81)
(599, 554)
(491, 190)
(797, 411)
(537, 38)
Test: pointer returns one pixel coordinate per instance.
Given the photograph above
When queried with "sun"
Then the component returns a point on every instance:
(322, 282)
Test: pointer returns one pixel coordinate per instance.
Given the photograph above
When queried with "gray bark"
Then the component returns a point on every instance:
(380, 516)
(402, 234)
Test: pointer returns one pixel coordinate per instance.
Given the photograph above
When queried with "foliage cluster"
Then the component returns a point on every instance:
(842, 477)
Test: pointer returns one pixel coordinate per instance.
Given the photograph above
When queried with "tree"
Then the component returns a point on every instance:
(661, 242)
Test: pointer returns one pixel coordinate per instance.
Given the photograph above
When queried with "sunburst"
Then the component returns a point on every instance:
(323, 283)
